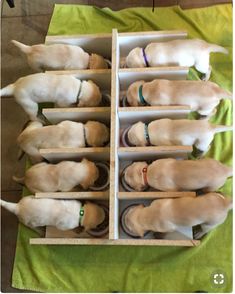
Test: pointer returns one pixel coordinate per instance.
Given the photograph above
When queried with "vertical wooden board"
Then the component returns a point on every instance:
(101, 77)
(129, 75)
(114, 135)
(91, 43)
(128, 41)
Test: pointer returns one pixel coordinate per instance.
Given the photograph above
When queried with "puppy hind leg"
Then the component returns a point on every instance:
(30, 107)
(203, 66)
(203, 144)
(207, 113)
(205, 228)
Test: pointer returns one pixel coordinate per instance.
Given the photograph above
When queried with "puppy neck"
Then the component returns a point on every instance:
(141, 97)
(144, 174)
(145, 58)
(146, 134)
(81, 214)
(79, 93)
(84, 134)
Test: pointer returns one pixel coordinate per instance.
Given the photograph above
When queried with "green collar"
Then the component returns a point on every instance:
(81, 214)
(141, 97)
(79, 92)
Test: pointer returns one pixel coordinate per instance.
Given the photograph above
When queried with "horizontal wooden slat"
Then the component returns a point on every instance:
(153, 195)
(128, 242)
(75, 195)
(56, 115)
(101, 77)
(91, 43)
(92, 153)
(128, 41)
(129, 75)
(130, 115)
(153, 152)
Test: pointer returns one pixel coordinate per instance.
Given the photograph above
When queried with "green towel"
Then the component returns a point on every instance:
(140, 269)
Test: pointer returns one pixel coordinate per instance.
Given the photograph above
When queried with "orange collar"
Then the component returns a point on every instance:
(144, 172)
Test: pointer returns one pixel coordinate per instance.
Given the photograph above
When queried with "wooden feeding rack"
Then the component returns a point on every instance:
(116, 80)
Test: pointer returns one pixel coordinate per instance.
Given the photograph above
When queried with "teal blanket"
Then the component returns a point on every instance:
(141, 269)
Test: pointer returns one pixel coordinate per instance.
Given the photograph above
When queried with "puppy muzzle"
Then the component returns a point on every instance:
(103, 181)
(103, 228)
(124, 227)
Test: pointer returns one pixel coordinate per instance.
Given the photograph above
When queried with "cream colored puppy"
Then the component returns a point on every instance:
(67, 134)
(62, 214)
(188, 53)
(166, 215)
(63, 90)
(168, 132)
(202, 97)
(177, 175)
(60, 57)
(64, 176)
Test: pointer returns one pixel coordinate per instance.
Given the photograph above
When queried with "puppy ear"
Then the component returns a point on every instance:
(97, 62)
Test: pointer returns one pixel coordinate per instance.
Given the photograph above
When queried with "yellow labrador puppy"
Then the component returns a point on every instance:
(188, 53)
(202, 97)
(63, 90)
(167, 132)
(67, 134)
(63, 176)
(166, 215)
(60, 57)
(177, 175)
(62, 214)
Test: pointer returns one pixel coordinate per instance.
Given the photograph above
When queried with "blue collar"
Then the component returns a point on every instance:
(142, 100)
(145, 58)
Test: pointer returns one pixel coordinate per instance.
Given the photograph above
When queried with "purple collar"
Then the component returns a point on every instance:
(145, 58)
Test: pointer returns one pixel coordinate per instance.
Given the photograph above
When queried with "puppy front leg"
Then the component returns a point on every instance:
(207, 75)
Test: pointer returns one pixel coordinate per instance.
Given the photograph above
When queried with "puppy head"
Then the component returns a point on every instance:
(132, 221)
(136, 134)
(97, 62)
(97, 134)
(93, 216)
(133, 93)
(135, 58)
(91, 173)
(90, 94)
(134, 177)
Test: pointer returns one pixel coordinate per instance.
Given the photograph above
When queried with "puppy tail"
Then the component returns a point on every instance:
(23, 48)
(229, 203)
(18, 180)
(229, 171)
(221, 128)
(20, 155)
(8, 90)
(224, 94)
(216, 48)
(10, 206)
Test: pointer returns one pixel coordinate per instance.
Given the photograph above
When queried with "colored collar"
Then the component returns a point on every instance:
(79, 93)
(146, 133)
(144, 172)
(141, 97)
(84, 134)
(81, 214)
(145, 58)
